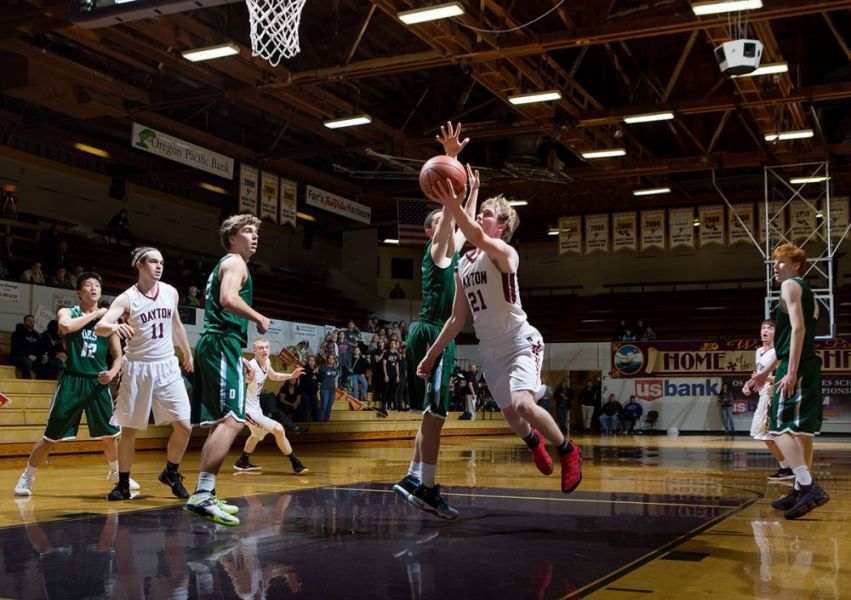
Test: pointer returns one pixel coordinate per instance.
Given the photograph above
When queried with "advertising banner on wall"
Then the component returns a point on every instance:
(338, 205)
(186, 153)
(740, 222)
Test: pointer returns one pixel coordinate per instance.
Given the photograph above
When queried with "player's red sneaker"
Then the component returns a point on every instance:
(571, 469)
(540, 455)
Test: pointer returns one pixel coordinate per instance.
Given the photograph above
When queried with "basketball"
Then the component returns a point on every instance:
(441, 168)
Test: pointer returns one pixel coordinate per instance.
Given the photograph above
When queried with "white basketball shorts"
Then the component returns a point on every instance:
(258, 423)
(759, 425)
(513, 364)
(147, 386)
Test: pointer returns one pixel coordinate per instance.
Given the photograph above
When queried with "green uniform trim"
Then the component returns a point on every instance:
(85, 349)
(438, 289)
(218, 385)
(432, 394)
(217, 319)
(74, 395)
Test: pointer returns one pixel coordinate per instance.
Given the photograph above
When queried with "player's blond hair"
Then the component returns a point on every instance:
(260, 341)
(233, 224)
(505, 213)
(790, 253)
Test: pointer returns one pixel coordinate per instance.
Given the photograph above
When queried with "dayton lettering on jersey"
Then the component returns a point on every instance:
(155, 313)
(475, 278)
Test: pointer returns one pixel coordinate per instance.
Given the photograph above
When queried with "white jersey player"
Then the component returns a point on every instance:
(150, 372)
(765, 357)
(260, 369)
(512, 351)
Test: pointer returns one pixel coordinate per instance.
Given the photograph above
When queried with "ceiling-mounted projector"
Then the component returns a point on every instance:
(739, 57)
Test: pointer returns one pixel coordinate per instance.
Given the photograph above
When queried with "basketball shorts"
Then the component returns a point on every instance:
(513, 364)
(218, 384)
(759, 425)
(75, 394)
(800, 414)
(150, 386)
(428, 395)
(258, 423)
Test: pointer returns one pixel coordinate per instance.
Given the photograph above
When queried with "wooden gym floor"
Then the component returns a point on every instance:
(653, 518)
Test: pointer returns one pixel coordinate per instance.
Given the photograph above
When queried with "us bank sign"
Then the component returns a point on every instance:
(172, 148)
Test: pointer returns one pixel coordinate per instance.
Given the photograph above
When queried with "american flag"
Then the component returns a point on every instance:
(412, 213)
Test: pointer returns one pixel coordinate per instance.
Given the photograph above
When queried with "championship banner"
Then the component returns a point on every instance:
(776, 221)
(738, 232)
(624, 231)
(838, 217)
(697, 358)
(249, 182)
(711, 225)
(803, 216)
(652, 229)
(681, 227)
(569, 235)
(338, 205)
(289, 202)
(597, 233)
(269, 196)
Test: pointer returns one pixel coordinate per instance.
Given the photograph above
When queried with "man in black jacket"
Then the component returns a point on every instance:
(25, 347)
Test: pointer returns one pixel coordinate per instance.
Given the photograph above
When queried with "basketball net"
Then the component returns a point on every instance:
(274, 28)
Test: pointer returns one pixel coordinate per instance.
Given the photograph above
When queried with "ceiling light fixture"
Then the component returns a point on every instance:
(604, 153)
(305, 217)
(713, 7)
(532, 97)
(431, 13)
(210, 52)
(696, 223)
(789, 135)
(552, 232)
(212, 188)
(651, 191)
(91, 150)
(803, 180)
(769, 69)
(348, 121)
(391, 241)
(517, 203)
(649, 118)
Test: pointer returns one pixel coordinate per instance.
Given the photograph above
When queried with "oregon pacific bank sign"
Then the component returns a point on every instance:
(172, 148)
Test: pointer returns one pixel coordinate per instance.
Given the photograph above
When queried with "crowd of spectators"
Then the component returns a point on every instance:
(641, 332)
(37, 354)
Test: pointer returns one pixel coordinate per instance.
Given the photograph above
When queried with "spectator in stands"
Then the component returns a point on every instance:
(371, 325)
(546, 401)
(59, 258)
(376, 363)
(60, 279)
(119, 228)
(564, 398)
(52, 354)
(609, 417)
(470, 383)
(329, 375)
(344, 356)
(402, 392)
(191, 298)
(328, 347)
(725, 403)
(588, 401)
(48, 240)
(649, 335)
(403, 330)
(631, 414)
(289, 400)
(394, 331)
(397, 293)
(360, 365)
(308, 385)
(640, 328)
(75, 273)
(620, 330)
(352, 334)
(390, 398)
(33, 275)
(25, 347)
(628, 335)
(6, 253)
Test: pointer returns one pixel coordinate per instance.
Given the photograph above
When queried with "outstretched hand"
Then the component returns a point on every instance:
(473, 181)
(445, 194)
(449, 138)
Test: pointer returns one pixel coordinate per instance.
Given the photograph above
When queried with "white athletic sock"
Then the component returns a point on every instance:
(428, 474)
(415, 470)
(113, 466)
(783, 464)
(206, 482)
(30, 471)
(802, 475)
